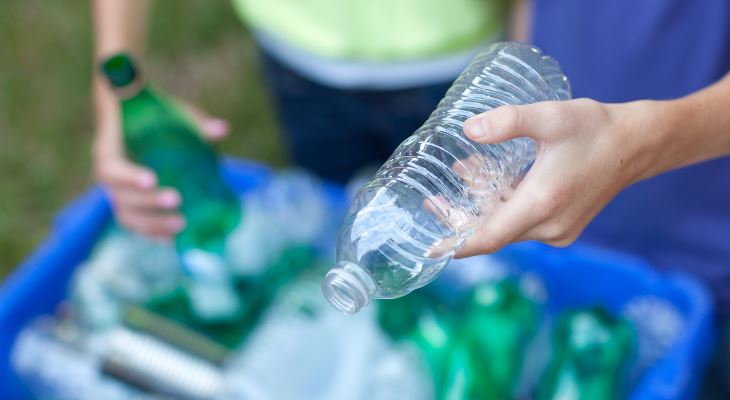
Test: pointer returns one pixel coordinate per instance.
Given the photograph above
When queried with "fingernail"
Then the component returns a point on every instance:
(216, 127)
(475, 127)
(147, 181)
(169, 199)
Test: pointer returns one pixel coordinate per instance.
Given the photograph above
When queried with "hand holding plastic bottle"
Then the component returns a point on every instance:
(584, 159)
(587, 153)
(536, 166)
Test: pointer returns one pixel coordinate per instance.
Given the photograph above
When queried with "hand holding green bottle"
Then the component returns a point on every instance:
(139, 202)
(160, 135)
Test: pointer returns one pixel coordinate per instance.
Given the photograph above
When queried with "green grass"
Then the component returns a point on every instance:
(197, 50)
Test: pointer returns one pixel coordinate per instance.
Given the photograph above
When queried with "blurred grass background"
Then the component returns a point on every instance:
(197, 50)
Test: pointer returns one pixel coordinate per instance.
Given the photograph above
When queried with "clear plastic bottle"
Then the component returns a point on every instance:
(59, 360)
(303, 342)
(423, 203)
(124, 268)
(268, 228)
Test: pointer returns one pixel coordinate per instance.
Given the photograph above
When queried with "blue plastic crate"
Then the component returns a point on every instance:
(579, 275)
(583, 275)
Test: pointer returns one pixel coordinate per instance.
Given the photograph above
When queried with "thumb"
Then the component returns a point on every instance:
(536, 120)
(212, 128)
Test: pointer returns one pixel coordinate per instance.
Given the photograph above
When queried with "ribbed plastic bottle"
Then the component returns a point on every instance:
(423, 203)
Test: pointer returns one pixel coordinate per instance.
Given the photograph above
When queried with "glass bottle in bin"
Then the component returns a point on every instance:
(159, 135)
(486, 358)
(591, 349)
(501, 320)
(418, 319)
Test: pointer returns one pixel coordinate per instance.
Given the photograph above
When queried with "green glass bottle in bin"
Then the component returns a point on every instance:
(159, 135)
(499, 320)
(458, 378)
(434, 338)
(418, 319)
(591, 349)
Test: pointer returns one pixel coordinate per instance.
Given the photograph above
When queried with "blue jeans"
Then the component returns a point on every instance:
(335, 132)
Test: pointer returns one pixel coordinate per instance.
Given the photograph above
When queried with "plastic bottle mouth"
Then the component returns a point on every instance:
(346, 289)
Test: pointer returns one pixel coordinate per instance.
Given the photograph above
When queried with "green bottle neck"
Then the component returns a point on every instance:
(128, 92)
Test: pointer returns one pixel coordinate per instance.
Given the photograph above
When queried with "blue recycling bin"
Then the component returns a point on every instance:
(580, 275)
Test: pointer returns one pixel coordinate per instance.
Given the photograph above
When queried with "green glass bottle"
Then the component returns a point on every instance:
(420, 320)
(460, 376)
(434, 336)
(499, 320)
(591, 351)
(398, 318)
(159, 135)
(474, 349)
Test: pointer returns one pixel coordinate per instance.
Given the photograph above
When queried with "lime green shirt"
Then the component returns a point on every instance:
(376, 30)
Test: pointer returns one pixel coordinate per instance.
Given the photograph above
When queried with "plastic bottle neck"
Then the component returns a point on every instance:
(348, 287)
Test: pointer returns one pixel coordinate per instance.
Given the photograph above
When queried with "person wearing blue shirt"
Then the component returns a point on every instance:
(642, 166)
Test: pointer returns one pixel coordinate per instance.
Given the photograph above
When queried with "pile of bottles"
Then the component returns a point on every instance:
(486, 335)
(493, 339)
(132, 326)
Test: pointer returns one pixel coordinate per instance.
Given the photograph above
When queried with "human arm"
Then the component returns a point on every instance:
(588, 152)
(138, 202)
(519, 20)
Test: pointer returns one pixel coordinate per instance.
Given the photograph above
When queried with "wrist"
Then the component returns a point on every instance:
(676, 123)
(653, 129)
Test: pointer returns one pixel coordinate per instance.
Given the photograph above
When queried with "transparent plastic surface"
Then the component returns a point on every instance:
(305, 350)
(124, 267)
(289, 210)
(406, 223)
(658, 325)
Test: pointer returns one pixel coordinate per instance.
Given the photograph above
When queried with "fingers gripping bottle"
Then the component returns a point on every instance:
(423, 203)
(159, 135)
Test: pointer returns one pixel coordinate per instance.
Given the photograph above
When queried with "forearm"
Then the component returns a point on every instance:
(520, 19)
(694, 128)
(118, 26)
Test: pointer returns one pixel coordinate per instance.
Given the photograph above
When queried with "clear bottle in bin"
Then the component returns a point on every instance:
(289, 210)
(407, 222)
(124, 268)
(51, 361)
(58, 360)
